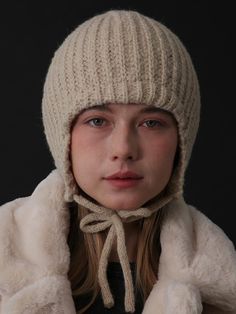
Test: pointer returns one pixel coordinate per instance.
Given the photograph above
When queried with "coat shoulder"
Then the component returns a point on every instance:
(34, 255)
(196, 251)
(208, 231)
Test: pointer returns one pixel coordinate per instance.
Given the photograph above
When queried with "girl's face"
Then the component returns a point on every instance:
(133, 143)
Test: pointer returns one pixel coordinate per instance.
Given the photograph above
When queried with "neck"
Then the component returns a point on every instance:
(132, 230)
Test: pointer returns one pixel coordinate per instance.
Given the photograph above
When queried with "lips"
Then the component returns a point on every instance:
(124, 175)
(124, 180)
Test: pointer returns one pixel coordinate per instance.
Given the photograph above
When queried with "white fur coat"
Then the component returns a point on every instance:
(197, 272)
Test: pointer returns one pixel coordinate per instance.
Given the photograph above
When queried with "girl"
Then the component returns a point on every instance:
(108, 231)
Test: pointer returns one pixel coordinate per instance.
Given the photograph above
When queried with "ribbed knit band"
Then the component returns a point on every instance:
(123, 57)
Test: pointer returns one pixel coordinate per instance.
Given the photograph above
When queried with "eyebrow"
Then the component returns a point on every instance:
(105, 108)
(150, 109)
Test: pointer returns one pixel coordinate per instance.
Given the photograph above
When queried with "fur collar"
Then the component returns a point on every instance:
(197, 264)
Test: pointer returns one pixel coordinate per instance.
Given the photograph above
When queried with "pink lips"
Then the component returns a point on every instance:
(124, 179)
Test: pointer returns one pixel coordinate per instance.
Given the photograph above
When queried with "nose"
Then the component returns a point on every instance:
(124, 144)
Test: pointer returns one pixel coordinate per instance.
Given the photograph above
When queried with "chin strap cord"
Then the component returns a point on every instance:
(100, 219)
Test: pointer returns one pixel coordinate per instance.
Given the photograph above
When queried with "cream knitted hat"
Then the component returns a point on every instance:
(119, 57)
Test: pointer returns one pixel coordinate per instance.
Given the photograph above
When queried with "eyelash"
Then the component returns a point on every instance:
(89, 121)
(161, 124)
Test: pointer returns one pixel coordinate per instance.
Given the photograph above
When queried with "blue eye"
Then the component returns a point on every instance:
(96, 122)
(152, 123)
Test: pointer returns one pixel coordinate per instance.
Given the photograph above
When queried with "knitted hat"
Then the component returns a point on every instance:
(119, 57)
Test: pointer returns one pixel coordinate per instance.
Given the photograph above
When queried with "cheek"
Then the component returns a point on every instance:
(77, 150)
(79, 161)
(165, 148)
(86, 153)
(170, 150)
(162, 155)
(80, 144)
(171, 144)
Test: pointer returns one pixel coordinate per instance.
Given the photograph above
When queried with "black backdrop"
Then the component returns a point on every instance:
(30, 33)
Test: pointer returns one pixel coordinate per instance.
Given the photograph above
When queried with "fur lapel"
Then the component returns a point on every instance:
(197, 264)
(34, 256)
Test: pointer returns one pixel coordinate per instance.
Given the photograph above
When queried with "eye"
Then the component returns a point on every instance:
(152, 123)
(96, 122)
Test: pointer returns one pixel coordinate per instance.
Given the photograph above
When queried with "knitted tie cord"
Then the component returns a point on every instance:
(100, 219)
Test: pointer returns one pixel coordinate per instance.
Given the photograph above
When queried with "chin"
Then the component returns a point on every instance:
(126, 206)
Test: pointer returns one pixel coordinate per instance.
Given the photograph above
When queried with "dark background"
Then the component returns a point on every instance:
(30, 33)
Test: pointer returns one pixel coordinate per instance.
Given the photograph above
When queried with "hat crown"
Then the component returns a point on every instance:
(119, 57)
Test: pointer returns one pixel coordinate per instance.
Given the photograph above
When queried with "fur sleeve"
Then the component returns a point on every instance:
(34, 255)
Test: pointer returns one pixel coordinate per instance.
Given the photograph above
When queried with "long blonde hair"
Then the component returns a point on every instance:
(86, 250)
